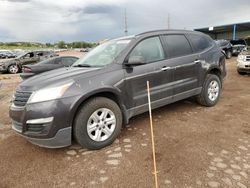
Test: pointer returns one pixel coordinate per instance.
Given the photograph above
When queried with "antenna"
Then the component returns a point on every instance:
(125, 22)
(168, 21)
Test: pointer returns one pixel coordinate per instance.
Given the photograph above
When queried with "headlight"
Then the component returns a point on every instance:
(241, 57)
(49, 93)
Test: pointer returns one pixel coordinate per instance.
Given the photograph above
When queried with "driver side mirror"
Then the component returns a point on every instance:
(136, 60)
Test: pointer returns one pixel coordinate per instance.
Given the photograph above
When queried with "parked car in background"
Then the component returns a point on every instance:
(14, 66)
(2, 55)
(85, 50)
(47, 65)
(6, 54)
(226, 46)
(105, 88)
(46, 54)
(238, 46)
(243, 62)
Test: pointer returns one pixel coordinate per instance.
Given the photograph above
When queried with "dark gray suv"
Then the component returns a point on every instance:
(101, 91)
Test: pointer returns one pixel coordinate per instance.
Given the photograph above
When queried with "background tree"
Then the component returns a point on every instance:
(61, 44)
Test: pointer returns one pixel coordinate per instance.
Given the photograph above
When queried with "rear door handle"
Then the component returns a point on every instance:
(165, 68)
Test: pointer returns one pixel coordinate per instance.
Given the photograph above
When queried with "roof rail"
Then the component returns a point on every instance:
(161, 30)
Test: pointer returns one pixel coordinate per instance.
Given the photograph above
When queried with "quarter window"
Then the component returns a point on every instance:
(149, 49)
(177, 45)
(200, 42)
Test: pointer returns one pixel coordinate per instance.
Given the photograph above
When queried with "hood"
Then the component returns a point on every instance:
(245, 52)
(59, 75)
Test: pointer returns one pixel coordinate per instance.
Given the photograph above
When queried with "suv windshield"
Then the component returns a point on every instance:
(103, 54)
(238, 42)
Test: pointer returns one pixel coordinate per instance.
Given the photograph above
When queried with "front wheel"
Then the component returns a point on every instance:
(97, 123)
(228, 54)
(210, 93)
(13, 69)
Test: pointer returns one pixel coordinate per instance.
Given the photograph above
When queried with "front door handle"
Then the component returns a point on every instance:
(197, 61)
(165, 68)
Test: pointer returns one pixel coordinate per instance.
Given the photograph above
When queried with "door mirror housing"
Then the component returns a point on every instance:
(136, 60)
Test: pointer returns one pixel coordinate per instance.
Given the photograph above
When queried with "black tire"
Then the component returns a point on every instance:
(228, 54)
(13, 69)
(80, 131)
(203, 97)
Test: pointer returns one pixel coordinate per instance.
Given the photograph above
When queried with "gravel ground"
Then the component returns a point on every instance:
(195, 147)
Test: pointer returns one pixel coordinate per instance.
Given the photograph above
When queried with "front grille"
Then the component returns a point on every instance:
(21, 98)
(248, 58)
(35, 127)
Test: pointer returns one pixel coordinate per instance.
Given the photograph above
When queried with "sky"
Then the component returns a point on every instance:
(95, 20)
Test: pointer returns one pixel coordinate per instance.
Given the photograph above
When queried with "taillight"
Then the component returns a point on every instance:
(26, 69)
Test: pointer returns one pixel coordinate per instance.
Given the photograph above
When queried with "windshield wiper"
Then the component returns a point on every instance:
(82, 65)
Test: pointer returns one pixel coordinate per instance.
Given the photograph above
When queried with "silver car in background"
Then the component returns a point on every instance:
(243, 62)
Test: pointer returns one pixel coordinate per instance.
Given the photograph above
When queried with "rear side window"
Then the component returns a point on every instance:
(200, 42)
(177, 45)
(67, 61)
(150, 49)
(58, 61)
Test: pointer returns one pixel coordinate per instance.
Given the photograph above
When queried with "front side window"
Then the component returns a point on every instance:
(177, 45)
(149, 49)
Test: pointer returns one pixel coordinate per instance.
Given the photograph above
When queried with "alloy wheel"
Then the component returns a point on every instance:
(101, 124)
(13, 69)
(213, 90)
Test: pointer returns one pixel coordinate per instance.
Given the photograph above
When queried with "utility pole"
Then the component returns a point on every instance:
(168, 21)
(125, 22)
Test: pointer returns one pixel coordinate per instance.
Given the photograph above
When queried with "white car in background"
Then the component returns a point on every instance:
(243, 62)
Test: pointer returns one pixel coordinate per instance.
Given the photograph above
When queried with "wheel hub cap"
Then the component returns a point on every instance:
(101, 124)
(213, 90)
(13, 69)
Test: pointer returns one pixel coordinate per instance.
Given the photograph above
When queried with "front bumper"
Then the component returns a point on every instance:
(243, 66)
(3, 68)
(47, 124)
(61, 139)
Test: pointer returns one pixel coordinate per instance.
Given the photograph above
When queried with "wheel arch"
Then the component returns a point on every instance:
(215, 71)
(108, 93)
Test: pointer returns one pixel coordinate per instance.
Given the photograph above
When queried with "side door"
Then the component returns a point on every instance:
(185, 63)
(27, 58)
(154, 70)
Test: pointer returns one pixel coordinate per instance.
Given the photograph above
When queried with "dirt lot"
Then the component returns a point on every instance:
(71, 53)
(196, 147)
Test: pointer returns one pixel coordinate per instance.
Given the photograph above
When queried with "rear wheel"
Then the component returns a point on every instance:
(13, 69)
(210, 93)
(97, 123)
